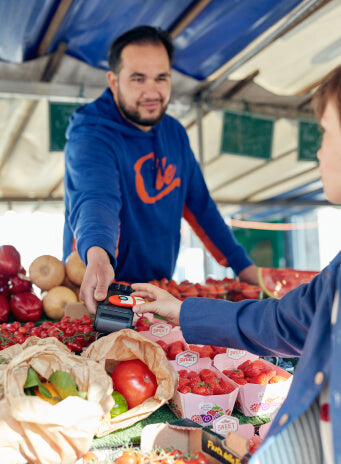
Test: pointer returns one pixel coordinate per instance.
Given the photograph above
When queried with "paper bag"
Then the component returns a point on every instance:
(128, 344)
(35, 431)
(9, 353)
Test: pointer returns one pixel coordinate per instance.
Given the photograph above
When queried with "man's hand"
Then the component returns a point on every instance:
(162, 302)
(98, 276)
(249, 275)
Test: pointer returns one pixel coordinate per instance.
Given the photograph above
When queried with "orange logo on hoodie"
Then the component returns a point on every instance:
(165, 181)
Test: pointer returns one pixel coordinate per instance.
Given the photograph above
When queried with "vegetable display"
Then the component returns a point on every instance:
(161, 456)
(75, 334)
(135, 381)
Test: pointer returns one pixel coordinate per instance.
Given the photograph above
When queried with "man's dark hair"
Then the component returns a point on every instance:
(139, 35)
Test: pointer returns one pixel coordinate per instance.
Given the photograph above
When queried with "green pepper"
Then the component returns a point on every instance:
(120, 405)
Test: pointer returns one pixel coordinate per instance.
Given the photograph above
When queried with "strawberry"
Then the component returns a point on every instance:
(183, 382)
(200, 389)
(163, 345)
(216, 388)
(277, 378)
(237, 374)
(226, 386)
(228, 372)
(206, 374)
(254, 369)
(241, 381)
(243, 365)
(185, 389)
(270, 373)
(261, 379)
(183, 373)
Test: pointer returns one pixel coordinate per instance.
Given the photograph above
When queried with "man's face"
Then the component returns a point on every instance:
(329, 154)
(143, 85)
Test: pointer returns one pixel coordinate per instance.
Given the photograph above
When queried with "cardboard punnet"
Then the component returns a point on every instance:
(199, 408)
(255, 400)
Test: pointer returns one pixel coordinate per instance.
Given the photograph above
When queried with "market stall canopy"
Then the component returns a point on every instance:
(243, 76)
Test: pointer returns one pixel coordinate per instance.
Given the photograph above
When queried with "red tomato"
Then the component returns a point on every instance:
(135, 381)
(90, 458)
(200, 457)
(127, 457)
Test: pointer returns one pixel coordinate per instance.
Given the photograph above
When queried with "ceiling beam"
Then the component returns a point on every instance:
(55, 23)
(282, 181)
(188, 17)
(267, 109)
(266, 163)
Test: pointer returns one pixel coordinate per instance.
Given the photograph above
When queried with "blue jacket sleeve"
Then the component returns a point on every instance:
(203, 216)
(268, 327)
(92, 192)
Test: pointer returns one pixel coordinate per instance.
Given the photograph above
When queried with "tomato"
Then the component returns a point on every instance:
(74, 346)
(128, 457)
(120, 405)
(135, 381)
(90, 458)
(199, 457)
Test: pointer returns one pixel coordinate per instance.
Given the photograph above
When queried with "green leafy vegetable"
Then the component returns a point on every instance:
(65, 384)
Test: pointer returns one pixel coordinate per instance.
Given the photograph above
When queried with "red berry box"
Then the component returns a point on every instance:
(263, 386)
(204, 393)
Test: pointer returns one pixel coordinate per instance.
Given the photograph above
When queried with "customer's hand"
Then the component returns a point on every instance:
(98, 276)
(161, 302)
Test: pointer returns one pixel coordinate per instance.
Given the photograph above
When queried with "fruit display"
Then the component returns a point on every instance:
(226, 288)
(278, 282)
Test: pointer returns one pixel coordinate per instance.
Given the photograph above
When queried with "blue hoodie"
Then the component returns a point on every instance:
(126, 191)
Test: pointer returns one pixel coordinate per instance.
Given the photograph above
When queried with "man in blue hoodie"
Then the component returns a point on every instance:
(130, 176)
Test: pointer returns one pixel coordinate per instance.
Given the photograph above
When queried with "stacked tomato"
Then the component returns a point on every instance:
(253, 372)
(76, 334)
(205, 382)
(16, 295)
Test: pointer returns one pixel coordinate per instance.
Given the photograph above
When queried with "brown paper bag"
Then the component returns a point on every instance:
(9, 353)
(128, 344)
(35, 431)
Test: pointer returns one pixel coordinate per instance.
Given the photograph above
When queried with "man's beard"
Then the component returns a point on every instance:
(134, 116)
